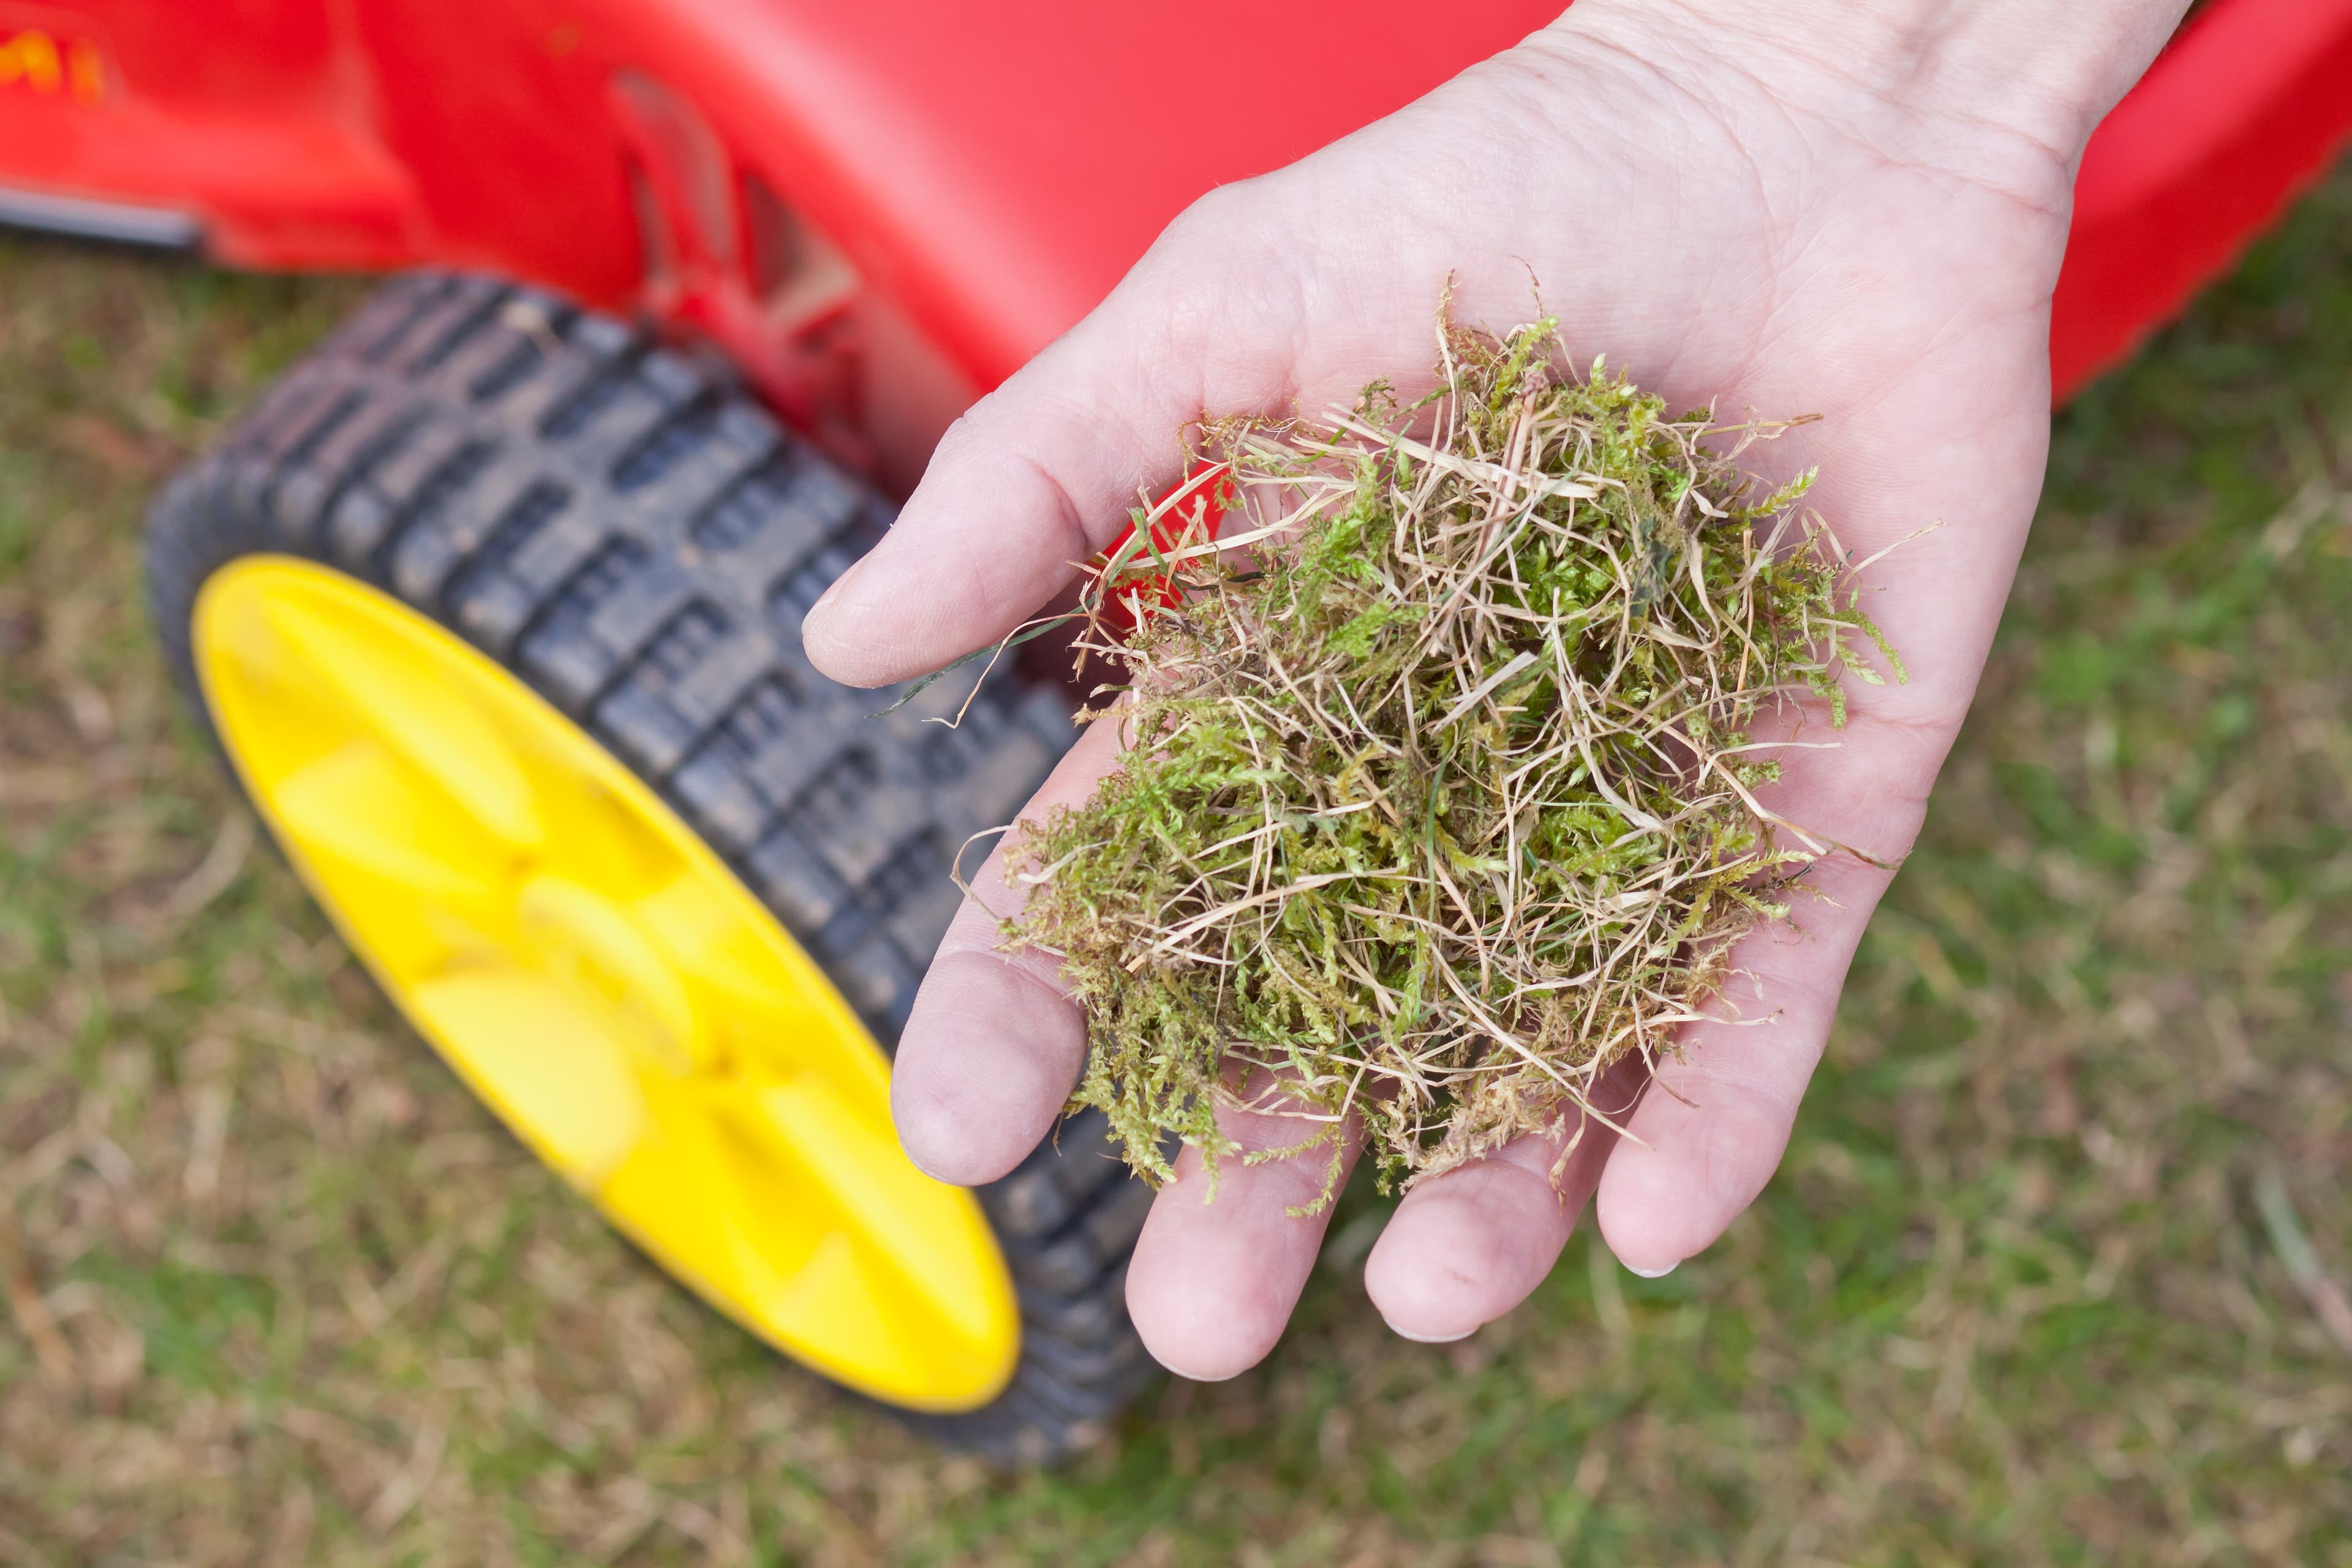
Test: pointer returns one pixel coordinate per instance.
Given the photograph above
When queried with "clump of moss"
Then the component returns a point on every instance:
(1439, 789)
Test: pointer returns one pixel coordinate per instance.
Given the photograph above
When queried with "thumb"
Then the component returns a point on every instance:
(1037, 477)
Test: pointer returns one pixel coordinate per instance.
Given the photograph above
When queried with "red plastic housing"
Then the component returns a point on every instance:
(2248, 107)
(880, 209)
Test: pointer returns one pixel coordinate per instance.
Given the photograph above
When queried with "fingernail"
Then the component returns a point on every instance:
(1654, 1273)
(1194, 1376)
(1430, 1339)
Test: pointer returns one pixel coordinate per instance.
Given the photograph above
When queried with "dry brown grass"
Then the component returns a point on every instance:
(1440, 792)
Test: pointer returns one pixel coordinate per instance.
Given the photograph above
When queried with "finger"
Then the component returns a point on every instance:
(993, 1042)
(1712, 1127)
(1212, 1281)
(1038, 476)
(1467, 1246)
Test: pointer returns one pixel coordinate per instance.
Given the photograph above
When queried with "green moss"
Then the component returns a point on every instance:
(1438, 799)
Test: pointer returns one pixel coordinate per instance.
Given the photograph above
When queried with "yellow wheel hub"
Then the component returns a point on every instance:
(596, 974)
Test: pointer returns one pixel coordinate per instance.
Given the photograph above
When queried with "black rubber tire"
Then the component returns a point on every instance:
(638, 541)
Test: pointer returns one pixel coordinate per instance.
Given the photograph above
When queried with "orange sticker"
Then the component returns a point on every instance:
(43, 63)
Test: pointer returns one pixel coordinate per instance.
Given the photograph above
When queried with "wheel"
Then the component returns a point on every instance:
(493, 608)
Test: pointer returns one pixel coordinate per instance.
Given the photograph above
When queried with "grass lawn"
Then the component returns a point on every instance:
(2035, 1285)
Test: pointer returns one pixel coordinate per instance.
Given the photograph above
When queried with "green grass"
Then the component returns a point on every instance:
(279, 1293)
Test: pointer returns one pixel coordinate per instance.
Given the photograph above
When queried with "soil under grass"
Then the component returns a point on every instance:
(278, 1293)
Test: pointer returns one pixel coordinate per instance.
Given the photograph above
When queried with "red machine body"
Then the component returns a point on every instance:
(880, 209)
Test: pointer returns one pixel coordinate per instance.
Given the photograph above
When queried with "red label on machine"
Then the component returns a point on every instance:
(1191, 513)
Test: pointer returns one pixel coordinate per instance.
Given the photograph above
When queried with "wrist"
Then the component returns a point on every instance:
(2048, 73)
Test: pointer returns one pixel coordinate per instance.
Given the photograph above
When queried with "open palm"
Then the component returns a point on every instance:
(1825, 208)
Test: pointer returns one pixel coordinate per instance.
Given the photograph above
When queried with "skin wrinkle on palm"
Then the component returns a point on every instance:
(1912, 227)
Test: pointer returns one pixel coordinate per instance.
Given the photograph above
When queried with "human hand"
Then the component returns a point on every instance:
(1809, 206)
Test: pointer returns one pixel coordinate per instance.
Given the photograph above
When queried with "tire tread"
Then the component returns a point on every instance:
(639, 542)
